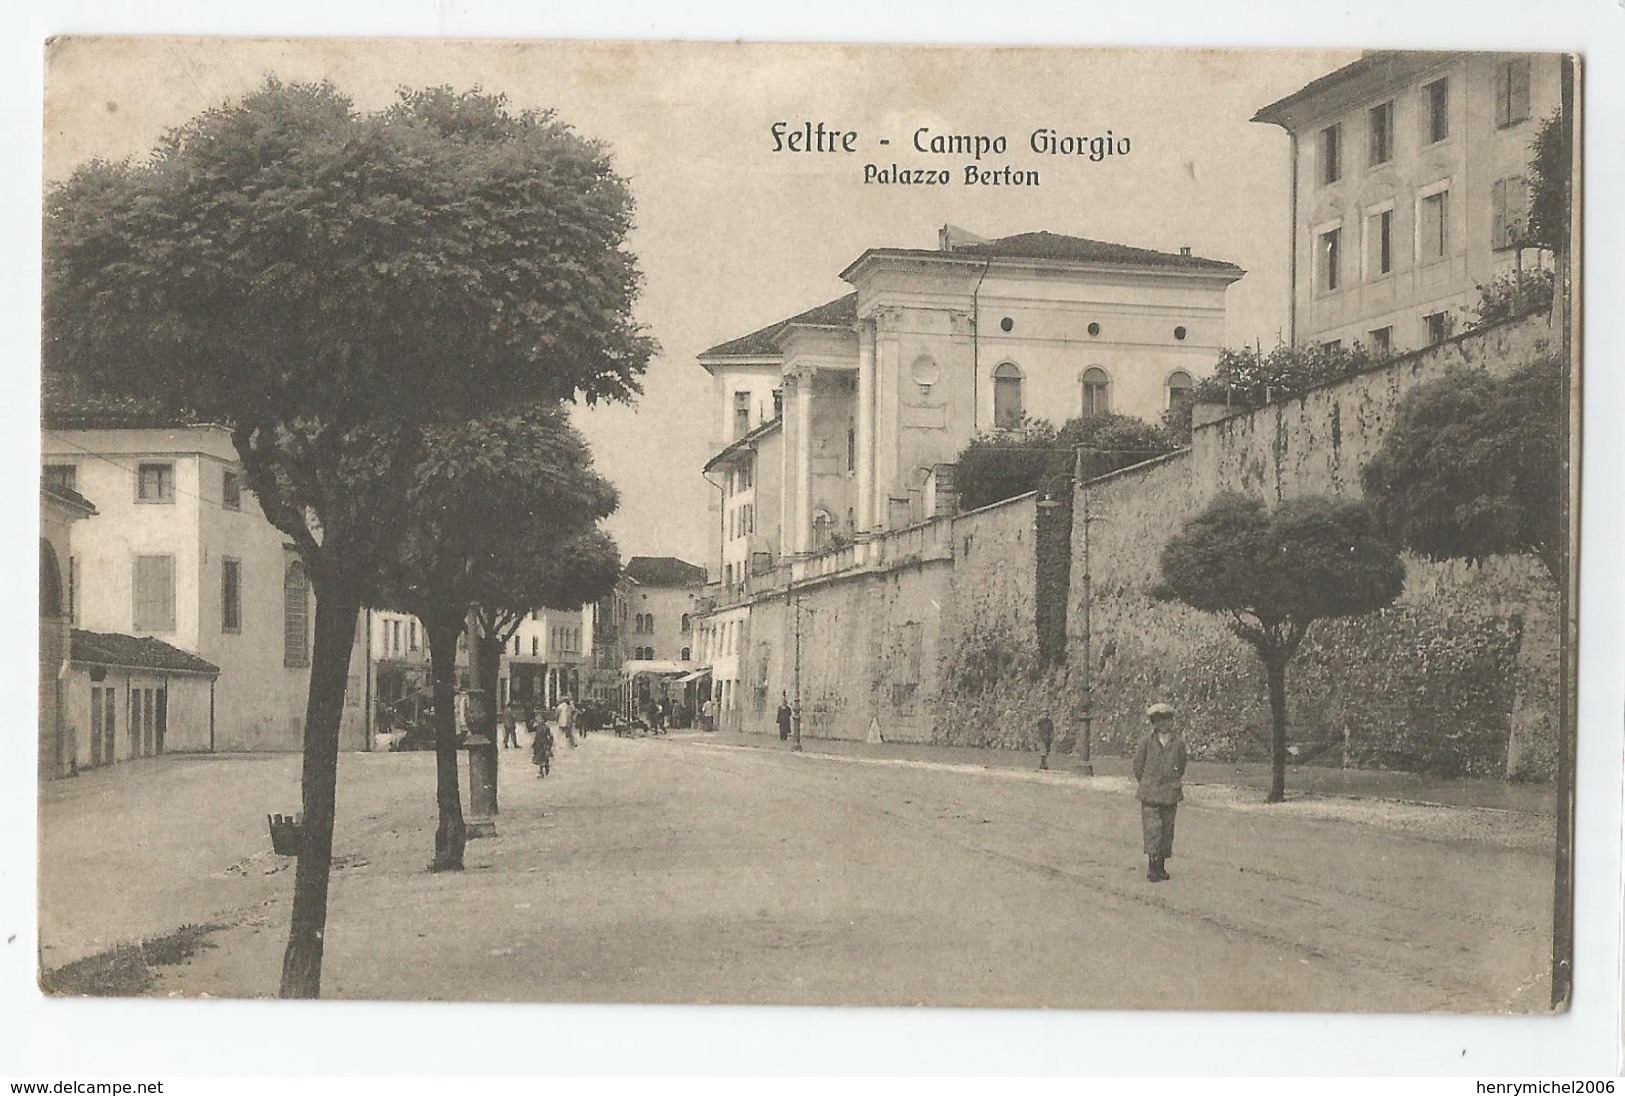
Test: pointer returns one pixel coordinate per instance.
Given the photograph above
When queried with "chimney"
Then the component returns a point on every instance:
(952, 238)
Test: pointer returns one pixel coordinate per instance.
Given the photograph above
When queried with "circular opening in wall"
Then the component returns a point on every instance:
(1094, 329)
(925, 371)
(1006, 324)
(1179, 332)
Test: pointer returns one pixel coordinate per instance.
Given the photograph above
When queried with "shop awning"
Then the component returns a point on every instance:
(695, 676)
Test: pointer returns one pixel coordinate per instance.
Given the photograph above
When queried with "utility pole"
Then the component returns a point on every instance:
(795, 714)
(1088, 660)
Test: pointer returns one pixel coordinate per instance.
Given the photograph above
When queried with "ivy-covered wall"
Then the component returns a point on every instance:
(1458, 677)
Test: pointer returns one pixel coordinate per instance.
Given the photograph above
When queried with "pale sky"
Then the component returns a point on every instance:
(731, 235)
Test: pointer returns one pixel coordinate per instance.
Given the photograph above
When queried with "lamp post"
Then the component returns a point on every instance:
(1088, 661)
(795, 714)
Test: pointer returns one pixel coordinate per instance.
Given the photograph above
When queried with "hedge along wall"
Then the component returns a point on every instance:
(1004, 644)
(1458, 677)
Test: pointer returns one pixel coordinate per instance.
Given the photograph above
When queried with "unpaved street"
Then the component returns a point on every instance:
(681, 871)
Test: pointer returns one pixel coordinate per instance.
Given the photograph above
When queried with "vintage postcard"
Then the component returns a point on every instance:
(684, 523)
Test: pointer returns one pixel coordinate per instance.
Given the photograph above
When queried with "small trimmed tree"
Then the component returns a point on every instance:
(1272, 574)
(1474, 467)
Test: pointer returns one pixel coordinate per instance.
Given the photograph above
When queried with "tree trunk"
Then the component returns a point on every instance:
(487, 669)
(1275, 671)
(336, 607)
(451, 834)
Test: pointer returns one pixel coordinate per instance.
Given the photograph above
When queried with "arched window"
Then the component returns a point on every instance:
(1181, 390)
(685, 654)
(823, 528)
(687, 623)
(649, 623)
(50, 581)
(1007, 409)
(295, 615)
(1097, 391)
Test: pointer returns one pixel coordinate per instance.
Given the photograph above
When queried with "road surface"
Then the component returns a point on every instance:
(673, 870)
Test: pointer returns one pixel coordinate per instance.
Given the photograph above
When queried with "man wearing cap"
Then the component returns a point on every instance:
(1159, 766)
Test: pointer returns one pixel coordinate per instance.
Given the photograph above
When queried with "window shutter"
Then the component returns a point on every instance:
(1503, 99)
(1518, 93)
(1498, 213)
(154, 594)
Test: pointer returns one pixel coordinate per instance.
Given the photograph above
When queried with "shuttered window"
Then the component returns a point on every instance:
(154, 583)
(1509, 209)
(1512, 92)
(231, 595)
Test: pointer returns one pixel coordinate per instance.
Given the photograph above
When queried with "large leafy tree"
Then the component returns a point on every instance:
(328, 283)
(503, 518)
(1474, 466)
(1006, 463)
(1271, 575)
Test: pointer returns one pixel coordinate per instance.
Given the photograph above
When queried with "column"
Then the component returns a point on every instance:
(803, 469)
(864, 486)
(886, 399)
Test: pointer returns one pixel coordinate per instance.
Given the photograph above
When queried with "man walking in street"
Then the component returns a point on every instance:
(1159, 766)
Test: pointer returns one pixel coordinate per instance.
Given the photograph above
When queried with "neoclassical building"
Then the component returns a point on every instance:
(842, 422)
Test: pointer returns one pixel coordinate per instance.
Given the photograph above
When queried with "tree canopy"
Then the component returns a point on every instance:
(502, 516)
(1271, 575)
(1473, 466)
(1548, 222)
(286, 257)
(330, 283)
(1248, 377)
(1007, 463)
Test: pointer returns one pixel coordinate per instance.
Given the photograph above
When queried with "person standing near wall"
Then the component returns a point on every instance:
(567, 721)
(1159, 766)
(784, 717)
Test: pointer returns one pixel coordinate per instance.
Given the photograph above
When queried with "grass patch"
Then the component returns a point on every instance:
(127, 971)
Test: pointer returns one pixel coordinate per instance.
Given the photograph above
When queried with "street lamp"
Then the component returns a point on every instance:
(795, 714)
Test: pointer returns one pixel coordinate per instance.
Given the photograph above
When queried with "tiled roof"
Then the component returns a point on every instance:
(1053, 245)
(1379, 66)
(136, 653)
(760, 344)
(744, 441)
(664, 571)
(67, 495)
(68, 405)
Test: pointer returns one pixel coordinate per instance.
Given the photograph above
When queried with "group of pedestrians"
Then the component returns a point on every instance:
(541, 745)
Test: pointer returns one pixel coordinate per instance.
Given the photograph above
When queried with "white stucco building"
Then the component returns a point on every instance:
(836, 424)
(181, 553)
(1409, 189)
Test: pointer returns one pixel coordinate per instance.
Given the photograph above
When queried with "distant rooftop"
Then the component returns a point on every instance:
(1374, 70)
(1053, 245)
(68, 405)
(664, 571)
(760, 343)
(68, 496)
(136, 653)
(957, 242)
(744, 443)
